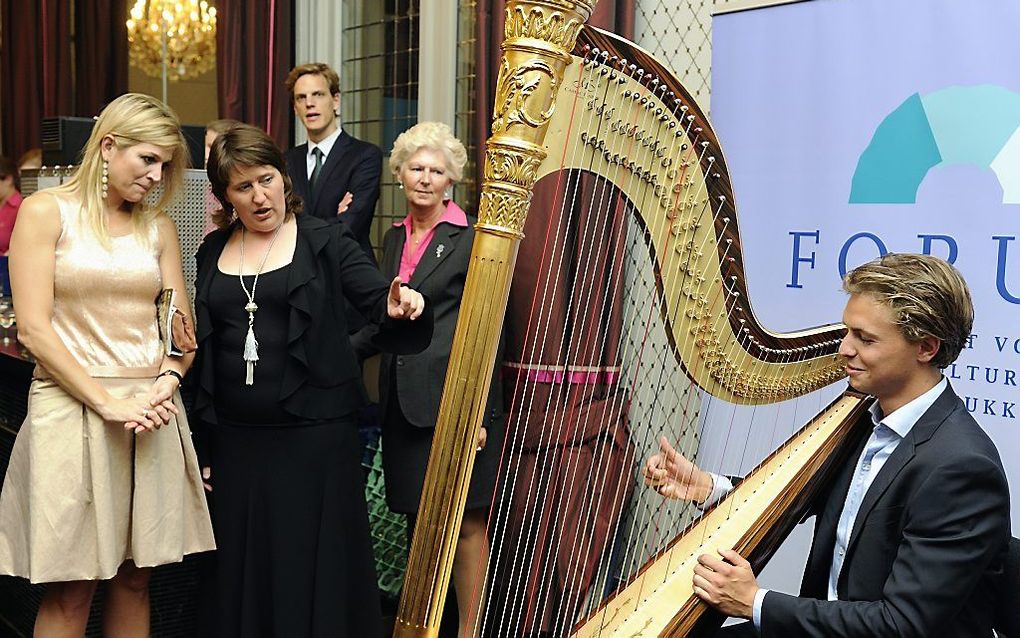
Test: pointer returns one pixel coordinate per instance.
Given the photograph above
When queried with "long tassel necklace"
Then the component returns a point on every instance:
(251, 345)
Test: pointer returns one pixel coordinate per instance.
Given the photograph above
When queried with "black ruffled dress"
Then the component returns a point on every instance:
(294, 554)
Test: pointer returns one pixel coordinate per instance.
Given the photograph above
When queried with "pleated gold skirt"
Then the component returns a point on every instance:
(81, 495)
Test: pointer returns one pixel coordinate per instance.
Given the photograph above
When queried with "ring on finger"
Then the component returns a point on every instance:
(146, 413)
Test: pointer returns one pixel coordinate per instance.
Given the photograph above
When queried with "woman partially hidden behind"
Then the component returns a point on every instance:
(96, 489)
(279, 388)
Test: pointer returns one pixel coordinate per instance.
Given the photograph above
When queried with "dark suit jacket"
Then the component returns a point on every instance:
(352, 166)
(322, 376)
(440, 275)
(927, 549)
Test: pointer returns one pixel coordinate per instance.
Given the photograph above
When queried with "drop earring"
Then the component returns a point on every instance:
(105, 182)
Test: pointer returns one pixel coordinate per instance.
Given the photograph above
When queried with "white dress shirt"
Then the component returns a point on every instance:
(325, 146)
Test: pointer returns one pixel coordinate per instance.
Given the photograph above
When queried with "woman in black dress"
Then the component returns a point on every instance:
(278, 388)
(430, 248)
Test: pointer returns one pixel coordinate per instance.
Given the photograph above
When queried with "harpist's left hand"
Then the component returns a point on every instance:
(403, 302)
(727, 584)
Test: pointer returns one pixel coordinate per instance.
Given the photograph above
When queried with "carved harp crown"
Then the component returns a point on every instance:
(573, 99)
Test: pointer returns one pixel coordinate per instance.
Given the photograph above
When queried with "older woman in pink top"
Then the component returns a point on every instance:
(430, 249)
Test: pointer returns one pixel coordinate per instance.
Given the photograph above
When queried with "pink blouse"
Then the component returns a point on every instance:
(412, 254)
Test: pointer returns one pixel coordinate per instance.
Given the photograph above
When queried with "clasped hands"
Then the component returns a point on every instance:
(144, 411)
(726, 582)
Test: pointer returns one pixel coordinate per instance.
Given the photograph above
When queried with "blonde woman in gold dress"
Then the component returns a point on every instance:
(103, 482)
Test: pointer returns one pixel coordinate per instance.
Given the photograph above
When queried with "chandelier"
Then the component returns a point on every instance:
(175, 38)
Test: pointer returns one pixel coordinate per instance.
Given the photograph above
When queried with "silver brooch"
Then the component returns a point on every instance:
(439, 250)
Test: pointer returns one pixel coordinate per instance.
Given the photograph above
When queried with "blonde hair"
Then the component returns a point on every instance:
(131, 119)
(433, 135)
(313, 68)
(928, 298)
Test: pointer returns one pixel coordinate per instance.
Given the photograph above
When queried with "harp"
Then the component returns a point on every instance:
(577, 101)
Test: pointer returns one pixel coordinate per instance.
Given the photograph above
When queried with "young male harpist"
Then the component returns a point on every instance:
(911, 536)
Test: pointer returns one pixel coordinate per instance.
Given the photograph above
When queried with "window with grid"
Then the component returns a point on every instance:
(467, 99)
(379, 86)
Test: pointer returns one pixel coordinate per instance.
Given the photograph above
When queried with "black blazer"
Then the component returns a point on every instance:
(352, 166)
(440, 274)
(322, 376)
(928, 546)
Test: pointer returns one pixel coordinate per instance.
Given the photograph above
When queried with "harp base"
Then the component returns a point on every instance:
(403, 630)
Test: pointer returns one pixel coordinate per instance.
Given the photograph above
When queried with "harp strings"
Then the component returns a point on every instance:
(600, 197)
(678, 204)
(571, 430)
(628, 392)
(523, 399)
(689, 151)
(582, 547)
(642, 520)
(588, 238)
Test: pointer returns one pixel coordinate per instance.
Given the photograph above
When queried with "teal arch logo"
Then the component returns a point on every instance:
(977, 125)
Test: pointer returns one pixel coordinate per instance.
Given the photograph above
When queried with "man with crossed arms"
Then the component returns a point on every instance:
(336, 175)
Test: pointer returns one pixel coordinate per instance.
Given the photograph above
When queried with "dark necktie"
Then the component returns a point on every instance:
(317, 152)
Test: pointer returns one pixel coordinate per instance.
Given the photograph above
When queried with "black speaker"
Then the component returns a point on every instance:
(64, 137)
(195, 137)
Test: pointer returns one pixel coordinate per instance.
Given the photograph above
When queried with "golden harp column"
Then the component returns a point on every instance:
(539, 36)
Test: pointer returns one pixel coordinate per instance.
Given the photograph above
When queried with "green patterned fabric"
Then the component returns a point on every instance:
(389, 530)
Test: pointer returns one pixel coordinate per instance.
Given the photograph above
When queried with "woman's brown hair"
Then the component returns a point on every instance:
(245, 146)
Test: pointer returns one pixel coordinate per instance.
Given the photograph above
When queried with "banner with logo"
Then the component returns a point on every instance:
(857, 127)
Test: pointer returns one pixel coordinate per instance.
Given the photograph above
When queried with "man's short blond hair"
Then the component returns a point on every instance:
(314, 68)
(928, 297)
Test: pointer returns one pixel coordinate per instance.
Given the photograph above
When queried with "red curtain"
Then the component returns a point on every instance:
(101, 54)
(35, 70)
(37, 76)
(254, 52)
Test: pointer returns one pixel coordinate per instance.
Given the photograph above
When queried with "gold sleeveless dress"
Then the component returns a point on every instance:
(82, 495)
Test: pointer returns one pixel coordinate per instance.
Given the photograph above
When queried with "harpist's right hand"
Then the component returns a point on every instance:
(673, 476)
(207, 478)
(134, 413)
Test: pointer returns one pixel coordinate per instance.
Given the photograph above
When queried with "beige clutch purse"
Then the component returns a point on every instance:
(166, 311)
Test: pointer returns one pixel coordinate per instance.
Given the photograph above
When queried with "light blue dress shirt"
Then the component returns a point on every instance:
(885, 437)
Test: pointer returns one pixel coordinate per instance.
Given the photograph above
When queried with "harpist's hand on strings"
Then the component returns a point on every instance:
(673, 476)
(726, 582)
